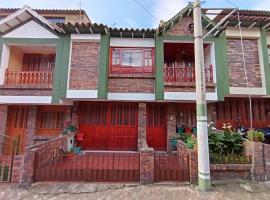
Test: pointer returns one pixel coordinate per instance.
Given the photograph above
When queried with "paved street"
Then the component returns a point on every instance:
(81, 191)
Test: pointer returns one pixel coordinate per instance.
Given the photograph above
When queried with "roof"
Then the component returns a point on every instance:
(101, 28)
(22, 16)
(247, 17)
(8, 11)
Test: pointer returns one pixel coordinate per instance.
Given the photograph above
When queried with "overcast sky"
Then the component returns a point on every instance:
(127, 13)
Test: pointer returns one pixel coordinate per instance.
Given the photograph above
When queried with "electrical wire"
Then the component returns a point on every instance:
(146, 10)
(249, 94)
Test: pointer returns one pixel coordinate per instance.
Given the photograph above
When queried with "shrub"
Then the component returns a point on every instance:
(255, 136)
(227, 143)
(191, 142)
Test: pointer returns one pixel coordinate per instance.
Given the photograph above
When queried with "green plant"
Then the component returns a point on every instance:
(255, 136)
(228, 143)
(191, 142)
(69, 128)
(227, 128)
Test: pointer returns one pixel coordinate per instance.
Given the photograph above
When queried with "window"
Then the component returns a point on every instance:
(56, 20)
(129, 60)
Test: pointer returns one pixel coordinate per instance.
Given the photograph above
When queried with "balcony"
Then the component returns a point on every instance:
(174, 73)
(39, 79)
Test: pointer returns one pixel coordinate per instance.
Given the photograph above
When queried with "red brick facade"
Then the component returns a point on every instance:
(25, 92)
(84, 70)
(126, 85)
(236, 65)
(182, 27)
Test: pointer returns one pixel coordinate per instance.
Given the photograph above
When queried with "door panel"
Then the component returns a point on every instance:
(108, 126)
(16, 127)
(156, 127)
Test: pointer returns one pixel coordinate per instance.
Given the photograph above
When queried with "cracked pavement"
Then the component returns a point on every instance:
(83, 191)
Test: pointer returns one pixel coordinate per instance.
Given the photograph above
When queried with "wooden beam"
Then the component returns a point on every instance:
(91, 30)
(132, 34)
(143, 35)
(172, 24)
(77, 30)
(8, 25)
(19, 19)
(189, 11)
(252, 25)
(208, 25)
(106, 31)
(265, 26)
(215, 34)
(227, 22)
(121, 34)
(238, 25)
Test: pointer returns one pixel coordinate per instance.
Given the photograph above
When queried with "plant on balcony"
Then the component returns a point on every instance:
(255, 136)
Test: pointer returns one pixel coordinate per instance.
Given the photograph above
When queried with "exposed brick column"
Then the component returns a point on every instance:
(68, 113)
(142, 126)
(147, 173)
(266, 153)
(17, 169)
(259, 170)
(74, 114)
(171, 124)
(3, 123)
(193, 166)
(31, 126)
(29, 156)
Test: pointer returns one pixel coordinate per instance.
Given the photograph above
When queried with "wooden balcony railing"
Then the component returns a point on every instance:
(33, 78)
(176, 73)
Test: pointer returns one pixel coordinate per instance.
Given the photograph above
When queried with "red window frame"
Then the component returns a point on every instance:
(118, 68)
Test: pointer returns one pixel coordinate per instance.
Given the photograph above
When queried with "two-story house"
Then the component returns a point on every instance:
(125, 87)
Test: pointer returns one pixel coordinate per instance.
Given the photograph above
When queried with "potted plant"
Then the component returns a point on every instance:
(255, 136)
(174, 140)
(69, 131)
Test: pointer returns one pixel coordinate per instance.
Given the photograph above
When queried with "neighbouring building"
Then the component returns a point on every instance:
(126, 87)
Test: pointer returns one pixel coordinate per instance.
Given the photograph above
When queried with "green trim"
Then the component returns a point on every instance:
(61, 69)
(204, 184)
(104, 66)
(159, 68)
(222, 71)
(265, 60)
(205, 20)
(30, 40)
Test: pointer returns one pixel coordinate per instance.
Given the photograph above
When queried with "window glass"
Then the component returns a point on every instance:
(116, 57)
(132, 58)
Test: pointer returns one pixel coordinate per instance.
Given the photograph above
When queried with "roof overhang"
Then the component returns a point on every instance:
(21, 16)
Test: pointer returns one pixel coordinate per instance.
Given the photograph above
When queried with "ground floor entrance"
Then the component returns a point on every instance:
(109, 126)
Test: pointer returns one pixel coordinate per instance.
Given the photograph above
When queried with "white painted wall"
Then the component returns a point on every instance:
(132, 96)
(132, 42)
(85, 37)
(188, 96)
(82, 94)
(4, 63)
(246, 33)
(30, 30)
(25, 99)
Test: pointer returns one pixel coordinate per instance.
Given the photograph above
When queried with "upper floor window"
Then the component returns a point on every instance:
(129, 60)
(56, 20)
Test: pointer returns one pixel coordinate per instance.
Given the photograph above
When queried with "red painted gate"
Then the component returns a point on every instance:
(108, 126)
(156, 127)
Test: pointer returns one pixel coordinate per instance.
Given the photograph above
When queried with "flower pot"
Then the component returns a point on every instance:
(188, 130)
(79, 137)
(173, 143)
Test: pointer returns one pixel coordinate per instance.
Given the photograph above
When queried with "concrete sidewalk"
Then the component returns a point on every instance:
(81, 191)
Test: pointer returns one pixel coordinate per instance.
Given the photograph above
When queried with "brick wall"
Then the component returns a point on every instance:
(84, 71)
(235, 63)
(266, 153)
(147, 172)
(123, 85)
(185, 89)
(25, 92)
(141, 125)
(3, 121)
(181, 28)
(230, 171)
(171, 124)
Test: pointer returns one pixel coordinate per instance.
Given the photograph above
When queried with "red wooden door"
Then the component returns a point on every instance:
(16, 127)
(156, 127)
(123, 127)
(108, 126)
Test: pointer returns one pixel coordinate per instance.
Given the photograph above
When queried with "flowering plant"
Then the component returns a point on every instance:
(69, 128)
(227, 128)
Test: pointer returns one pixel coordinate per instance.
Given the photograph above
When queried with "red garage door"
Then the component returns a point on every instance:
(156, 127)
(109, 126)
